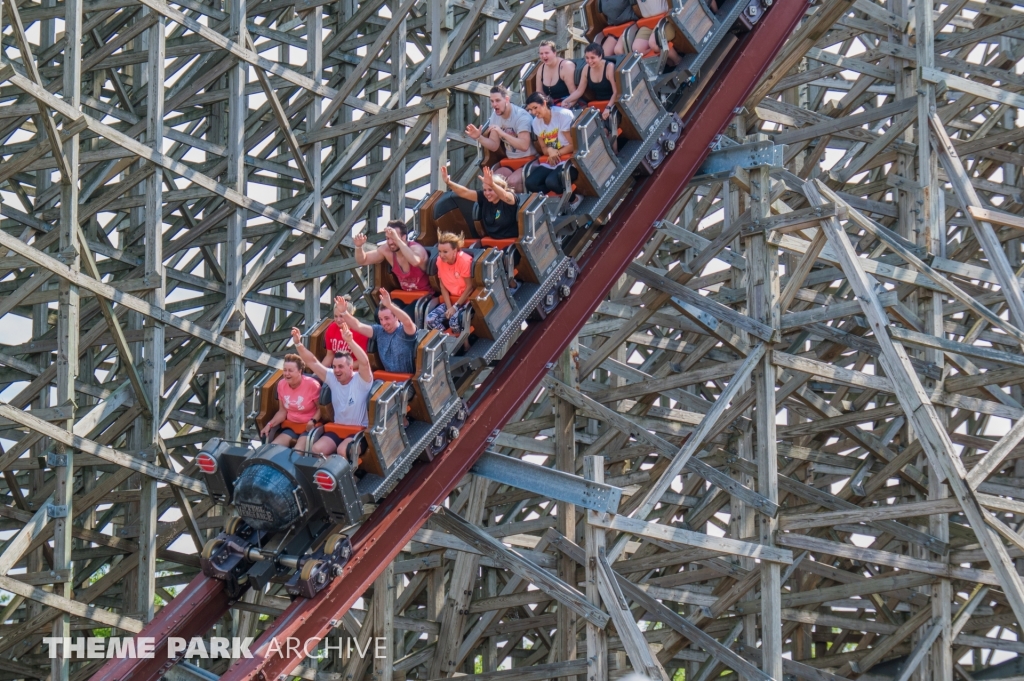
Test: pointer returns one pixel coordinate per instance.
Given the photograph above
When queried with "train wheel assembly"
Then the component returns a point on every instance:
(547, 304)
(437, 444)
(459, 419)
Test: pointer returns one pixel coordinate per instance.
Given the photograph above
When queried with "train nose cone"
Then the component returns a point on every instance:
(265, 497)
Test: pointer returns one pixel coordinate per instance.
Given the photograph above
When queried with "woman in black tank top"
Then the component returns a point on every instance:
(564, 73)
(559, 90)
(604, 89)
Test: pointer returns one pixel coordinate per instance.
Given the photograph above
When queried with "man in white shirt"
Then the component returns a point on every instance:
(349, 393)
(508, 125)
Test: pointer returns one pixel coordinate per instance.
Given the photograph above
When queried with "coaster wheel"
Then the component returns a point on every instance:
(212, 547)
(334, 540)
(309, 568)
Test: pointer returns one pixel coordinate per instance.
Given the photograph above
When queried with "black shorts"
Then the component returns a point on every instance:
(290, 433)
(335, 438)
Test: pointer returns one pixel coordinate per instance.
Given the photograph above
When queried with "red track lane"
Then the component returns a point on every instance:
(193, 612)
(394, 523)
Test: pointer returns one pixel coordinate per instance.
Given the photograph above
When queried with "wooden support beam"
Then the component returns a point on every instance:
(510, 560)
(677, 535)
(933, 437)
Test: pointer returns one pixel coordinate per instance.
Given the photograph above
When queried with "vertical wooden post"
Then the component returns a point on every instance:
(153, 344)
(398, 76)
(314, 67)
(932, 235)
(597, 639)
(460, 587)
(67, 328)
(234, 246)
(763, 301)
(436, 12)
(384, 624)
(565, 461)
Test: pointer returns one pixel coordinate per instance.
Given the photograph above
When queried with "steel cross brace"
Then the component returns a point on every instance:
(548, 482)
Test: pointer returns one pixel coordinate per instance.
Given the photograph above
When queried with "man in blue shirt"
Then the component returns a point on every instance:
(395, 334)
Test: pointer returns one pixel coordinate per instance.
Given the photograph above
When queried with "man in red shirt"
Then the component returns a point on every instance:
(454, 270)
(333, 340)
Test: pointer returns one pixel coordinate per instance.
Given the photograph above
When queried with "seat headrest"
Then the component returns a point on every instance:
(444, 205)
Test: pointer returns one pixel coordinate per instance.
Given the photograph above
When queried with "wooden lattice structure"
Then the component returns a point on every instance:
(179, 184)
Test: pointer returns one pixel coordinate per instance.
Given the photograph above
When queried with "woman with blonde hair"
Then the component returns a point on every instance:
(499, 205)
(454, 269)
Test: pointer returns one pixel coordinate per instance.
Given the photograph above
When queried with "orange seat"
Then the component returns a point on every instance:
(497, 243)
(553, 195)
(409, 296)
(616, 31)
(391, 376)
(651, 22)
(297, 428)
(342, 430)
(470, 243)
(561, 157)
(515, 163)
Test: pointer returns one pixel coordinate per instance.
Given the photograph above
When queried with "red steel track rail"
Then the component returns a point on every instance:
(395, 521)
(193, 612)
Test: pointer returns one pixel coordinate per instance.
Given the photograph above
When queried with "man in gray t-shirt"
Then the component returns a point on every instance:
(508, 126)
(395, 334)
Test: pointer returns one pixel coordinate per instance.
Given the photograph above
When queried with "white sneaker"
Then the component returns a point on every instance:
(575, 202)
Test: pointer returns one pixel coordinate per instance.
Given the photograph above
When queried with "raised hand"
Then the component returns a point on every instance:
(359, 240)
(488, 179)
(385, 298)
(444, 175)
(341, 303)
(346, 333)
(473, 131)
(296, 337)
(390, 233)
